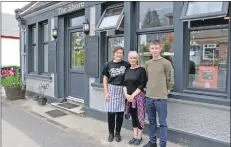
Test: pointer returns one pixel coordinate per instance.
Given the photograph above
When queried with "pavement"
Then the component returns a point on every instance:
(33, 127)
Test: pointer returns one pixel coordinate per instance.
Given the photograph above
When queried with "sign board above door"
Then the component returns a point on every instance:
(70, 8)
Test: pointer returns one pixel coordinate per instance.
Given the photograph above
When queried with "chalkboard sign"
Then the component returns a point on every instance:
(92, 56)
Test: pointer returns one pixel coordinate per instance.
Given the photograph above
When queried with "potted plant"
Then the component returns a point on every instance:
(14, 87)
(41, 98)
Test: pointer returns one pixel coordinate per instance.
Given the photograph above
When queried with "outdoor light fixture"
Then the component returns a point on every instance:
(86, 27)
(54, 33)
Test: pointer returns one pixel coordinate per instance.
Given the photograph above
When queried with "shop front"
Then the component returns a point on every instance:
(195, 37)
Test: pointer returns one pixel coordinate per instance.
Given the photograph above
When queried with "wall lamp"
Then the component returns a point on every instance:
(54, 33)
(86, 27)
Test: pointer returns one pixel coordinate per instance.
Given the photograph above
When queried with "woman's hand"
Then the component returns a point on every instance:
(106, 95)
(127, 96)
(131, 98)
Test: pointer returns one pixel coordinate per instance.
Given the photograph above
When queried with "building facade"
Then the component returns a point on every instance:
(190, 33)
(10, 40)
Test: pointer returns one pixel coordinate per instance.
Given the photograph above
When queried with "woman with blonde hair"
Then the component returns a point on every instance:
(135, 80)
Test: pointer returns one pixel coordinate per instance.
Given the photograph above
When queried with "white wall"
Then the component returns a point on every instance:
(10, 52)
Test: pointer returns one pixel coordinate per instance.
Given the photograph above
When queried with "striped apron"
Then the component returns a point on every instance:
(116, 102)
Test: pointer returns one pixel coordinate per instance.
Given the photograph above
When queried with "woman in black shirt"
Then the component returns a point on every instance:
(113, 73)
(135, 80)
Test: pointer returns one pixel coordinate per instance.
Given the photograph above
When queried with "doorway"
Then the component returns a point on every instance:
(75, 59)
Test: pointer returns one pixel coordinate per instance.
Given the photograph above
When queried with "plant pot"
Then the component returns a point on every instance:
(42, 101)
(15, 93)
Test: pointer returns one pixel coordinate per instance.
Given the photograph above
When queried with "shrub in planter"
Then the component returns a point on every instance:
(14, 88)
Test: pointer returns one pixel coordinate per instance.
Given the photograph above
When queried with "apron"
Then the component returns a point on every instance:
(116, 102)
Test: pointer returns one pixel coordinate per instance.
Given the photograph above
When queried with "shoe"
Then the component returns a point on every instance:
(138, 141)
(132, 141)
(117, 137)
(110, 137)
(149, 144)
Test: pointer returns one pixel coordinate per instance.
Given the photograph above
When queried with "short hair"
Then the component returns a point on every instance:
(134, 53)
(118, 48)
(154, 42)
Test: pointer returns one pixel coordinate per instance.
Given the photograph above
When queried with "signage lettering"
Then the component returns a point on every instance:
(70, 7)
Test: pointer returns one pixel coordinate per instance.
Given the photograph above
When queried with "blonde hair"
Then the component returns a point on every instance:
(134, 53)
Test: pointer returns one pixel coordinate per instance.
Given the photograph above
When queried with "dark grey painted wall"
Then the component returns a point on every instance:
(60, 57)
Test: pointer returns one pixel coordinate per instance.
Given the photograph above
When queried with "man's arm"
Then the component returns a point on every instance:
(169, 73)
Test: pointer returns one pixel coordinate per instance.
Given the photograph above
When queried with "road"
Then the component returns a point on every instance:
(22, 129)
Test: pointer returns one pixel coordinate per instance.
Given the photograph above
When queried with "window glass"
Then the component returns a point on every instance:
(112, 43)
(45, 58)
(78, 52)
(155, 14)
(76, 21)
(111, 17)
(45, 32)
(195, 8)
(33, 35)
(208, 52)
(34, 58)
(166, 40)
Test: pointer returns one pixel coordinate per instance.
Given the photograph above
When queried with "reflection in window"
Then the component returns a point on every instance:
(45, 58)
(111, 17)
(112, 43)
(45, 32)
(208, 59)
(45, 50)
(78, 52)
(195, 8)
(76, 21)
(166, 40)
(155, 14)
(34, 53)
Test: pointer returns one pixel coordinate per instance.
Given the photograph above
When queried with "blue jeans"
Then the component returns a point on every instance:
(157, 106)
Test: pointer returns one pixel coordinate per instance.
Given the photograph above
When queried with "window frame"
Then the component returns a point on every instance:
(118, 23)
(33, 45)
(203, 91)
(43, 44)
(222, 13)
(162, 29)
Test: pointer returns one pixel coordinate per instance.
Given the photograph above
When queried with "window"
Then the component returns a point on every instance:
(166, 40)
(112, 43)
(76, 21)
(77, 50)
(111, 19)
(204, 10)
(209, 58)
(33, 49)
(45, 50)
(155, 14)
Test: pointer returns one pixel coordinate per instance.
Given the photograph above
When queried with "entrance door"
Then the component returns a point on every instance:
(76, 54)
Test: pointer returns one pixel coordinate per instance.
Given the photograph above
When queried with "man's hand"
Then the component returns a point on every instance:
(106, 95)
(169, 91)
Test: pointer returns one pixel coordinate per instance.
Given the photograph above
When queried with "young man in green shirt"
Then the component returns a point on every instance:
(160, 82)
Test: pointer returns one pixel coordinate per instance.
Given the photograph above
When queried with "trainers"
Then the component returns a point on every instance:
(117, 137)
(110, 137)
(149, 144)
(138, 141)
(132, 141)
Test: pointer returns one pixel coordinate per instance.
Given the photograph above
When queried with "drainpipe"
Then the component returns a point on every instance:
(23, 54)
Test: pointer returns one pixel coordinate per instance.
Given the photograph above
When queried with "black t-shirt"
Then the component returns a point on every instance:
(115, 72)
(135, 78)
